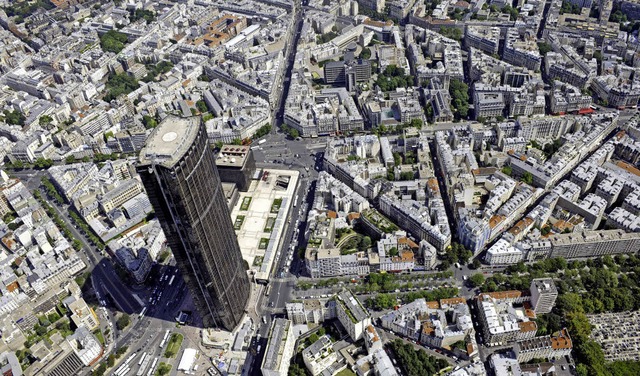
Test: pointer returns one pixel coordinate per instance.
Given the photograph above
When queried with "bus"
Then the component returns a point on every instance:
(268, 290)
(129, 359)
(144, 310)
(262, 141)
(153, 367)
(295, 202)
(144, 355)
(143, 367)
(171, 280)
(164, 340)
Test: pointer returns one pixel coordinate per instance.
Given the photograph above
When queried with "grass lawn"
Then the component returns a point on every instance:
(275, 207)
(237, 225)
(99, 336)
(245, 203)
(175, 342)
(268, 227)
(351, 245)
(163, 369)
(346, 372)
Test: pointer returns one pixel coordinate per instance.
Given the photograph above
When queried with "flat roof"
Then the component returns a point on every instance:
(187, 360)
(276, 344)
(352, 304)
(232, 155)
(171, 139)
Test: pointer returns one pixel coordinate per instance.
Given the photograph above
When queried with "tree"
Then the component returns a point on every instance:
(451, 32)
(123, 321)
(120, 84)
(45, 119)
(121, 351)
(459, 92)
(416, 123)
(365, 54)
(162, 257)
(149, 122)
(313, 338)
(296, 370)
(406, 175)
(416, 362)
(163, 369)
(527, 178)
(293, 133)
(507, 170)
(43, 163)
(262, 131)
(382, 301)
(14, 117)
(476, 264)
(365, 244)
(113, 41)
(145, 14)
(111, 360)
(202, 106)
(100, 370)
(544, 47)
(477, 280)
(598, 56)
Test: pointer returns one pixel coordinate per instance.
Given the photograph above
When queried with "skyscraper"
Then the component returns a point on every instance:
(178, 170)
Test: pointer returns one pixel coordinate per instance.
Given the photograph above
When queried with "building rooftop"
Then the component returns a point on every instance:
(232, 155)
(170, 141)
(353, 306)
(545, 285)
(275, 346)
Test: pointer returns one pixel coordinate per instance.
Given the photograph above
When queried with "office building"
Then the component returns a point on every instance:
(177, 167)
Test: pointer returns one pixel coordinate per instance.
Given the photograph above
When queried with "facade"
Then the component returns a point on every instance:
(543, 295)
(319, 356)
(594, 243)
(484, 38)
(178, 170)
(235, 164)
(339, 72)
(488, 104)
(546, 347)
(502, 321)
(279, 351)
(352, 315)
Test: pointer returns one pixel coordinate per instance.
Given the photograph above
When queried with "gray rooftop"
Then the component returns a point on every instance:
(170, 140)
(545, 285)
(232, 156)
(352, 304)
(275, 346)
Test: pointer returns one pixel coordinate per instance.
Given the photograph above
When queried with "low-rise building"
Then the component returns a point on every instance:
(551, 347)
(319, 355)
(280, 347)
(502, 321)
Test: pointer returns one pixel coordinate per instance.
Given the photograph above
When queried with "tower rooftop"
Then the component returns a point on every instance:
(170, 140)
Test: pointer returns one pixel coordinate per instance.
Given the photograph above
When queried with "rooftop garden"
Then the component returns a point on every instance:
(275, 206)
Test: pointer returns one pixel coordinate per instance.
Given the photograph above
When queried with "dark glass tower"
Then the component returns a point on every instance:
(178, 170)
